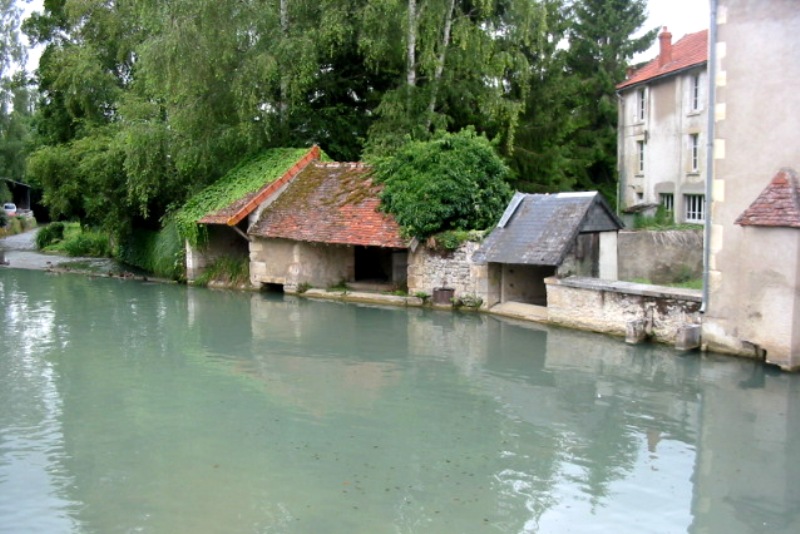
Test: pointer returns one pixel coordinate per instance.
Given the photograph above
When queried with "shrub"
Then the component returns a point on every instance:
(52, 233)
(3, 219)
(455, 182)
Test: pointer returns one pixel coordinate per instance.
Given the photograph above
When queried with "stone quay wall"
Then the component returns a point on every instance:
(609, 307)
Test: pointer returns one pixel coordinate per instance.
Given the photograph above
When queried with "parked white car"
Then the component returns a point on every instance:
(10, 209)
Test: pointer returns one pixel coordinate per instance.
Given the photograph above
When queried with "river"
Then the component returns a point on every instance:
(134, 407)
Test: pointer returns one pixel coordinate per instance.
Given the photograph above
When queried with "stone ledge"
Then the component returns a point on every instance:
(361, 296)
(630, 288)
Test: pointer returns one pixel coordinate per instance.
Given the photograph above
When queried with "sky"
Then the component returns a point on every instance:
(680, 16)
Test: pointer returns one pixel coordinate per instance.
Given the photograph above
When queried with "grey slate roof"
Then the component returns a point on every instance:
(540, 229)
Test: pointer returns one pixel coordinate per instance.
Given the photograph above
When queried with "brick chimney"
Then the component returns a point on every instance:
(665, 47)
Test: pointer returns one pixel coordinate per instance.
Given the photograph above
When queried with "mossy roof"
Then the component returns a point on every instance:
(335, 203)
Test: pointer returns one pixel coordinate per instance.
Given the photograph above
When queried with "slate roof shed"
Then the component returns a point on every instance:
(540, 229)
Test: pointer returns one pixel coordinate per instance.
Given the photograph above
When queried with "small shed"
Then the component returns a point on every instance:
(543, 235)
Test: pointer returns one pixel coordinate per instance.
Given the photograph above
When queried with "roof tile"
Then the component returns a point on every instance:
(778, 205)
(333, 203)
(689, 51)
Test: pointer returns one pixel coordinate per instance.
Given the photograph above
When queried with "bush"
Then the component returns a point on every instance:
(455, 182)
(89, 244)
(52, 233)
(3, 219)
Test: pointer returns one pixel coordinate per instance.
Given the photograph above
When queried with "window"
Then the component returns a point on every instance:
(695, 92)
(695, 208)
(667, 201)
(694, 152)
(641, 104)
(640, 157)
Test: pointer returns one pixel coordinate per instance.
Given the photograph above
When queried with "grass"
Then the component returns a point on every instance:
(228, 271)
(695, 283)
(662, 220)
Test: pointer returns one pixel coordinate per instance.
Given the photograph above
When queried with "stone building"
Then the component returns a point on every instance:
(324, 230)
(662, 130)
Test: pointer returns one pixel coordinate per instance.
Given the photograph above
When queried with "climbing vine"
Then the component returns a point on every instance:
(247, 177)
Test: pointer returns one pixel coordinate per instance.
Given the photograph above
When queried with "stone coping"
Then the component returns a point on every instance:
(630, 288)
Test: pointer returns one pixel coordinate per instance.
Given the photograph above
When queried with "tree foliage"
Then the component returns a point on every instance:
(453, 182)
(600, 49)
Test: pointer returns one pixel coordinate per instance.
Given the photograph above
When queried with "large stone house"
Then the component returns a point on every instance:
(753, 300)
(662, 130)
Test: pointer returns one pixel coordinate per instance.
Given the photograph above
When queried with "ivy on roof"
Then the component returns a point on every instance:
(247, 177)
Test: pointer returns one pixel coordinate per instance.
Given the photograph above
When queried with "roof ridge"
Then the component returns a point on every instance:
(342, 164)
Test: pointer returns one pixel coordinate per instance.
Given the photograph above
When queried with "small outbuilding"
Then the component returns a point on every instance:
(543, 235)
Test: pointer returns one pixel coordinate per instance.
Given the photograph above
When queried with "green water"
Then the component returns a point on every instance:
(131, 407)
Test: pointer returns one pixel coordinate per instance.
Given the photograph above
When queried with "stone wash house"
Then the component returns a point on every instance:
(325, 229)
(662, 131)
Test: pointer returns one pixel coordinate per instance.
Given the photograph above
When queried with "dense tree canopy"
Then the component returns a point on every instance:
(143, 102)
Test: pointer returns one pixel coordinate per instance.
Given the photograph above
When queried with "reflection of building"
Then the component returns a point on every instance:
(754, 281)
(746, 476)
(662, 129)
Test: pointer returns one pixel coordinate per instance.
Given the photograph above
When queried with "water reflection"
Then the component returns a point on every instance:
(163, 409)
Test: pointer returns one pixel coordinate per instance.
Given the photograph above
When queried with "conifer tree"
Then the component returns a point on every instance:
(601, 45)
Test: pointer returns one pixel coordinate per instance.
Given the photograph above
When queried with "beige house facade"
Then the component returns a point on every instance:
(753, 305)
(662, 131)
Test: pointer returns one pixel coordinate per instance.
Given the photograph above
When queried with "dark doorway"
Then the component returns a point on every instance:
(373, 264)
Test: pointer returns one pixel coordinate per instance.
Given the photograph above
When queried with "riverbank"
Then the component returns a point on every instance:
(19, 252)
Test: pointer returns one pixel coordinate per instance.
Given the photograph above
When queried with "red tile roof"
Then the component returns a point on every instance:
(331, 203)
(690, 51)
(241, 208)
(777, 205)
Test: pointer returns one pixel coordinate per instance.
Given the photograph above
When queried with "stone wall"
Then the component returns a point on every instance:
(292, 263)
(429, 269)
(602, 306)
(223, 242)
(662, 257)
